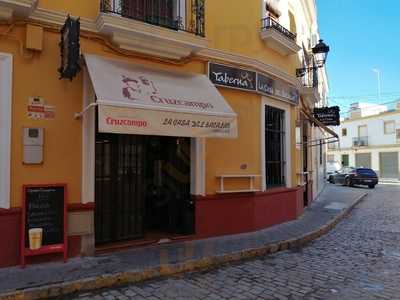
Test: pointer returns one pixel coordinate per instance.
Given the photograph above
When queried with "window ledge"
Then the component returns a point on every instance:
(279, 42)
(149, 39)
(16, 8)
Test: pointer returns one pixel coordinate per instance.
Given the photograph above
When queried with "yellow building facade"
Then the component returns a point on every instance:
(255, 178)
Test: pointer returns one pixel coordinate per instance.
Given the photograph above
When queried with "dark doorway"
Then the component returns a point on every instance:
(142, 187)
(274, 147)
(169, 207)
(119, 187)
(305, 161)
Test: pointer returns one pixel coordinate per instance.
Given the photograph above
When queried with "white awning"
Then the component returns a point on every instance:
(133, 99)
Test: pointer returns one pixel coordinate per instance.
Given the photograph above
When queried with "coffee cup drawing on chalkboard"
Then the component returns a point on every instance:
(35, 238)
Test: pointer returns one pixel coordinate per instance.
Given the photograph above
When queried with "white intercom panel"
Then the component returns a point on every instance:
(33, 145)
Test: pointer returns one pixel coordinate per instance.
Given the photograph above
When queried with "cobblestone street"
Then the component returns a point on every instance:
(359, 259)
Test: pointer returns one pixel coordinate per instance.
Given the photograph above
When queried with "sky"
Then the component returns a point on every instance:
(362, 35)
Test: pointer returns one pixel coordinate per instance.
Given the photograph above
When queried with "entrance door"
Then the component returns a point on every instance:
(142, 187)
(389, 165)
(363, 160)
(169, 207)
(119, 187)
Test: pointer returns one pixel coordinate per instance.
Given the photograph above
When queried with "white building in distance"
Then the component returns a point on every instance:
(369, 138)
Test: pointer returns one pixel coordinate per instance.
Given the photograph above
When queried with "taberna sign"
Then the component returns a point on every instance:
(329, 116)
(230, 77)
(70, 49)
(271, 87)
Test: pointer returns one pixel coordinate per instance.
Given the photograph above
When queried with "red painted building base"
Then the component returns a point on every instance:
(231, 214)
(10, 228)
(215, 216)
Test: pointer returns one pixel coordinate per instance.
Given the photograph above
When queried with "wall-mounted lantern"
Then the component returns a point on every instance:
(70, 49)
(320, 52)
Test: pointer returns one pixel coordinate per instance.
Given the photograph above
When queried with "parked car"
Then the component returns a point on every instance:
(355, 176)
(332, 167)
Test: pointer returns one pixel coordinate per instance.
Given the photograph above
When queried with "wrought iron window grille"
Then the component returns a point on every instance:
(180, 15)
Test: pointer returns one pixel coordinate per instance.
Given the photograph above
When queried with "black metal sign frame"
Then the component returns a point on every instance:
(329, 116)
(70, 49)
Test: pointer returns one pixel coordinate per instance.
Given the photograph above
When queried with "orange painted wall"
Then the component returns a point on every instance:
(235, 30)
(230, 26)
(225, 156)
(37, 76)
(235, 27)
(80, 8)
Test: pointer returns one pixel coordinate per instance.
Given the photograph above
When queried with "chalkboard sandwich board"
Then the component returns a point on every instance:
(44, 220)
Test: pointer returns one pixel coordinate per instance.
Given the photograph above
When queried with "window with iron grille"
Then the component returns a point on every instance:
(184, 15)
(157, 12)
(274, 147)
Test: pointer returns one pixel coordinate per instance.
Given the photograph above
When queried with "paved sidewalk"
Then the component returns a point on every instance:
(54, 279)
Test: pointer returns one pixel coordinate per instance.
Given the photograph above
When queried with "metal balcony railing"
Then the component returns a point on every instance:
(361, 141)
(310, 78)
(185, 15)
(269, 22)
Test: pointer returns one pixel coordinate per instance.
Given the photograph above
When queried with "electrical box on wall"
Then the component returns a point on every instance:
(34, 37)
(32, 140)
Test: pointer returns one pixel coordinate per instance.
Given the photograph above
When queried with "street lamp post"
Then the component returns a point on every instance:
(378, 73)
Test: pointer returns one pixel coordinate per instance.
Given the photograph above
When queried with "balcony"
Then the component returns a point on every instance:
(360, 141)
(172, 29)
(309, 89)
(16, 8)
(278, 37)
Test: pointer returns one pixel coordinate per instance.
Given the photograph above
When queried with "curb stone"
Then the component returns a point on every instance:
(109, 280)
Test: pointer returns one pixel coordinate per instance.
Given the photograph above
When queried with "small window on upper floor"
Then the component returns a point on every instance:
(398, 136)
(344, 131)
(292, 20)
(389, 127)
